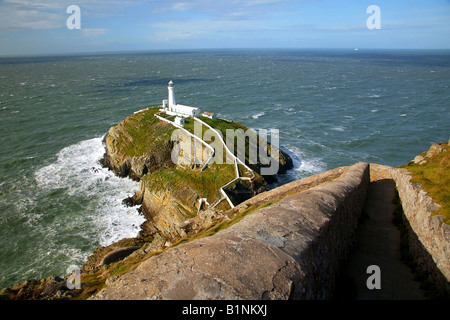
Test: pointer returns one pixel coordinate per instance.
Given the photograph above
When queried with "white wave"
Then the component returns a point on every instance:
(304, 165)
(260, 114)
(338, 128)
(78, 172)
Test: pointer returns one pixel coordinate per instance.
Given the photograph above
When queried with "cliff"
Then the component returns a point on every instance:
(286, 240)
(286, 243)
(171, 189)
(138, 145)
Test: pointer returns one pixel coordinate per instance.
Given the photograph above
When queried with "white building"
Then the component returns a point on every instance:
(208, 115)
(179, 121)
(172, 108)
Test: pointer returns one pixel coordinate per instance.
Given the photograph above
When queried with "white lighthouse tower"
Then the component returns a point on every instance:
(170, 107)
(172, 102)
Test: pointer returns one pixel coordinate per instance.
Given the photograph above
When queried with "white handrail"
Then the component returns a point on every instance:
(236, 159)
(228, 150)
(194, 136)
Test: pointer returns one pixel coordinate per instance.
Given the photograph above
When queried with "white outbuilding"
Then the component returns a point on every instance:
(179, 121)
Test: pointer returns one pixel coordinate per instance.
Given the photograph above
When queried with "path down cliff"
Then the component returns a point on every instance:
(378, 243)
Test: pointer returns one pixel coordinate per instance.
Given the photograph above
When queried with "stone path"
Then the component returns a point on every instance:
(378, 243)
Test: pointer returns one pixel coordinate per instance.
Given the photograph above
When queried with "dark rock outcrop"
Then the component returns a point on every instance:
(118, 255)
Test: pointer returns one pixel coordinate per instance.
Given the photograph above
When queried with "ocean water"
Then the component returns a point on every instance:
(331, 107)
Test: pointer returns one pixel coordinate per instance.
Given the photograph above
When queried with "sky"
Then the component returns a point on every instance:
(40, 26)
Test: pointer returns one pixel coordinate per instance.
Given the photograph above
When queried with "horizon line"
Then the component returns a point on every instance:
(48, 54)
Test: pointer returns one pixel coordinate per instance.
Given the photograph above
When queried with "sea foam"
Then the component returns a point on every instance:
(77, 171)
(257, 115)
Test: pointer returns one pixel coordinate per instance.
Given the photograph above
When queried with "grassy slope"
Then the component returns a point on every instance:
(206, 183)
(145, 134)
(434, 176)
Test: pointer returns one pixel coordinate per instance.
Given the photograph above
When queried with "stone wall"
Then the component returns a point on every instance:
(291, 249)
(429, 236)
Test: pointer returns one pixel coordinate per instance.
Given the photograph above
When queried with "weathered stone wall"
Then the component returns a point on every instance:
(291, 249)
(429, 238)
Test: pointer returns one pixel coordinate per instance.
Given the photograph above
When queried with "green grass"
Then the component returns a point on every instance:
(206, 183)
(145, 134)
(222, 125)
(434, 176)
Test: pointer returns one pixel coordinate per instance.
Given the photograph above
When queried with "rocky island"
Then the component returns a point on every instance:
(291, 242)
(171, 189)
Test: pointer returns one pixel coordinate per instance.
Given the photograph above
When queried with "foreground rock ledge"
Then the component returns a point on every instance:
(291, 249)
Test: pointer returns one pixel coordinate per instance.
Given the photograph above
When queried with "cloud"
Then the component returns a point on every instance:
(181, 6)
(218, 8)
(94, 32)
(25, 14)
(204, 29)
(336, 28)
(51, 14)
(213, 19)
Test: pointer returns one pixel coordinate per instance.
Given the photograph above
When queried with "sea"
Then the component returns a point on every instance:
(331, 108)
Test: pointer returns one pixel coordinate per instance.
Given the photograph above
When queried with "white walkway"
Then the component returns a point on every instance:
(236, 159)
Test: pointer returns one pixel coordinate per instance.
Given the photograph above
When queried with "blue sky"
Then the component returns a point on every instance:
(39, 26)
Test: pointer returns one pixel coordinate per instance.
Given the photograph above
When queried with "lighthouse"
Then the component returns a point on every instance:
(170, 107)
(172, 102)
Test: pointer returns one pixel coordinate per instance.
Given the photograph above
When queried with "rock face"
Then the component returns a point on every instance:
(118, 254)
(138, 145)
(290, 249)
(165, 210)
(423, 158)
